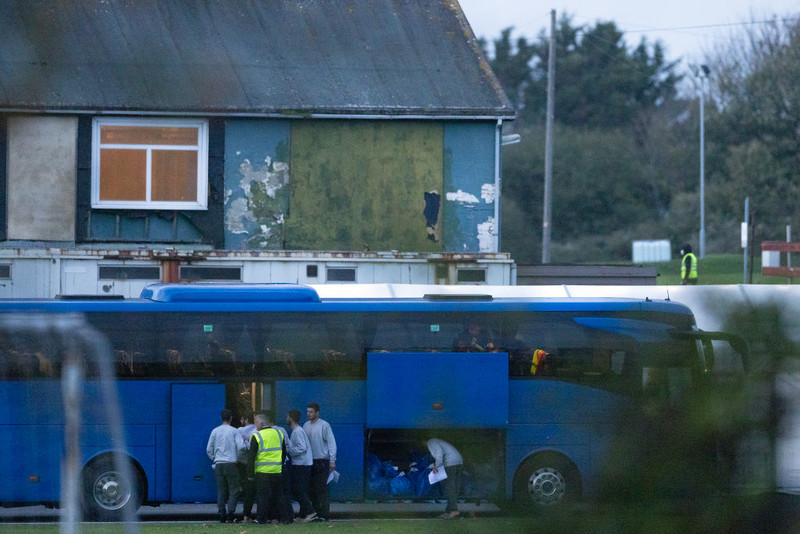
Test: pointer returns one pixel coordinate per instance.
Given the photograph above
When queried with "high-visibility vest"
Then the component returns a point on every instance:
(692, 270)
(270, 448)
(537, 360)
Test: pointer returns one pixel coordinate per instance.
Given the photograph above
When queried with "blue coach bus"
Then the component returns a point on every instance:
(530, 390)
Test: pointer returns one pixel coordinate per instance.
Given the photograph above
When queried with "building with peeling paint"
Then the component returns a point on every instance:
(306, 141)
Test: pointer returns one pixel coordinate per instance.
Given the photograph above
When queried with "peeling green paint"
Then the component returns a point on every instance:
(358, 184)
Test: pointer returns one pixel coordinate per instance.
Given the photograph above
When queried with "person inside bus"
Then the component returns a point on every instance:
(474, 338)
(540, 364)
(175, 363)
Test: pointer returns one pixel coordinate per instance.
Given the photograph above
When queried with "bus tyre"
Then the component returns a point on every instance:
(546, 480)
(106, 496)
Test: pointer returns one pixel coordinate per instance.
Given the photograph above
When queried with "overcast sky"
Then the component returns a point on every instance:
(686, 27)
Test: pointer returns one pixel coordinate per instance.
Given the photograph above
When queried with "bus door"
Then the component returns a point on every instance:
(195, 412)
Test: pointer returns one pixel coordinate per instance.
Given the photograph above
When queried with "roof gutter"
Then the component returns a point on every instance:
(266, 115)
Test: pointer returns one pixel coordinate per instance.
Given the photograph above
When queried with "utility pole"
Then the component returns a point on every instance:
(548, 143)
(703, 73)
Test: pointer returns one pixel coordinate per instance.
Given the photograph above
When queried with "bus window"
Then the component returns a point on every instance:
(132, 338)
(431, 332)
(208, 344)
(30, 353)
(312, 345)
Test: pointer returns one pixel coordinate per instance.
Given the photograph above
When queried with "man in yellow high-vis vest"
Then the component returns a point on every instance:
(267, 453)
(688, 266)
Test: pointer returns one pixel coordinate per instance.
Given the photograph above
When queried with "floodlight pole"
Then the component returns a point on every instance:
(548, 143)
(703, 75)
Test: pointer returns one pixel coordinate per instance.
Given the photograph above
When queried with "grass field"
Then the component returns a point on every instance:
(715, 269)
(381, 526)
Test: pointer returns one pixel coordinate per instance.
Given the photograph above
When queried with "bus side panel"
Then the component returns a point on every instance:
(342, 404)
(147, 418)
(32, 438)
(575, 421)
(38, 454)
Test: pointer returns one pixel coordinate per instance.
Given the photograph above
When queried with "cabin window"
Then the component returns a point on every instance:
(149, 164)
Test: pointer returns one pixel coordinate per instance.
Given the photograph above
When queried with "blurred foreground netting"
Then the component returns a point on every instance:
(726, 456)
(53, 368)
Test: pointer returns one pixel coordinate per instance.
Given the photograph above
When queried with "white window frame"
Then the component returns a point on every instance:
(201, 203)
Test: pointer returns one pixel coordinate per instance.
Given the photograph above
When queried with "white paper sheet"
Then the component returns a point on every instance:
(333, 477)
(440, 475)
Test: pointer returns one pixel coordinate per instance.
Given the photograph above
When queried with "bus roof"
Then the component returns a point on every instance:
(293, 297)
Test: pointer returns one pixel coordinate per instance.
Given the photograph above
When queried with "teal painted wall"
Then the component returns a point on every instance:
(256, 183)
(469, 188)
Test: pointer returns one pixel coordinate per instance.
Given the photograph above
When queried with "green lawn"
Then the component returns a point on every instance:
(387, 526)
(716, 269)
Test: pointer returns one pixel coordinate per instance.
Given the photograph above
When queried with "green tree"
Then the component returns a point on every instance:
(511, 65)
(755, 127)
(599, 81)
(615, 170)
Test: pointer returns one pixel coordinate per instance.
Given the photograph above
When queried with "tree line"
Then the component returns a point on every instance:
(626, 145)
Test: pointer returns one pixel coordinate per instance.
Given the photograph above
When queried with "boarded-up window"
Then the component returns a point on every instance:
(149, 164)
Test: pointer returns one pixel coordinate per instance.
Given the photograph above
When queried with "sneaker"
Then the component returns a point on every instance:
(247, 519)
(310, 517)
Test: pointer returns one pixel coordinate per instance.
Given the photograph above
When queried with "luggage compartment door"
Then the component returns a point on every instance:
(437, 390)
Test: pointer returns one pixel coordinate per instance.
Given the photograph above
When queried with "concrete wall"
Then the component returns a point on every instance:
(42, 172)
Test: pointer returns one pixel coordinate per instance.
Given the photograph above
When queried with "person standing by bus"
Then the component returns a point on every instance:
(302, 461)
(688, 266)
(323, 451)
(267, 453)
(282, 508)
(447, 456)
(224, 443)
(246, 431)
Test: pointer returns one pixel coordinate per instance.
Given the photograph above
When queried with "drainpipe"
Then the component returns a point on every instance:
(497, 181)
(169, 270)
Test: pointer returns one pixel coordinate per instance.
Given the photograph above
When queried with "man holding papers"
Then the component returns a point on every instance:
(323, 450)
(447, 458)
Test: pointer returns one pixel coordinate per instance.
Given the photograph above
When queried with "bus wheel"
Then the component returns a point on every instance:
(106, 496)
(546, 480)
